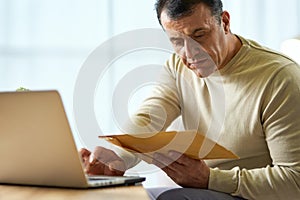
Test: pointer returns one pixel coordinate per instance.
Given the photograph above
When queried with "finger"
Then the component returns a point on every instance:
(172, 168)
(116, 168)
(179, 158)
(98, 168)
(161, 161)
(95, 168)
(84, 152)
(105, 161)
(85, 155)
(105, 155)
(164, 164)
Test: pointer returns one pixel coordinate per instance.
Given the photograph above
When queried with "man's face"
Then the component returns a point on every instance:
(198, 39)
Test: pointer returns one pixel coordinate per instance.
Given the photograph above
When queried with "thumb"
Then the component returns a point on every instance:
(117, 165)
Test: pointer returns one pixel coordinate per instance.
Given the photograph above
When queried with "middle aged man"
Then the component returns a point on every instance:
(232, 89)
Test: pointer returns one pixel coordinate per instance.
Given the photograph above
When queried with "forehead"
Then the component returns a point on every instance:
(201, 18)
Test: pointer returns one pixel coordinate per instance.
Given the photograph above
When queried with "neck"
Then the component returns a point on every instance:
(234, 45)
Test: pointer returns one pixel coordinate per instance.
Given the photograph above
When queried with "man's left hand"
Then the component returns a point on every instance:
(183, 170)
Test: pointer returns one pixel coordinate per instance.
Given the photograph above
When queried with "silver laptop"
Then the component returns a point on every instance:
(37, 146)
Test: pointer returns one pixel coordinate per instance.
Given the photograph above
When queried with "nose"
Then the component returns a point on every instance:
(191, 48)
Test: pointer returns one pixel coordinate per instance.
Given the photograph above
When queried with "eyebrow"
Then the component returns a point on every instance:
(180, 37)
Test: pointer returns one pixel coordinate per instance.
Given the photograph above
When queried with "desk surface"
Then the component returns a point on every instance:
(41, 193)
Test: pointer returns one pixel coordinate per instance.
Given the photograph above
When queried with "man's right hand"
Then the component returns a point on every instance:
(103, 162)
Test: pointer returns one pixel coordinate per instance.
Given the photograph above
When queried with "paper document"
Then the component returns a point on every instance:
(190, 143)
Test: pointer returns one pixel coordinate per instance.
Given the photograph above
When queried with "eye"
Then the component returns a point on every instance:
(199, 34)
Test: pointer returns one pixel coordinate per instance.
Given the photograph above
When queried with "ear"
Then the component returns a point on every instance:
(226, 21)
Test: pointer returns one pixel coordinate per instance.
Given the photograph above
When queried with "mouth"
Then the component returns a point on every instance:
(198, 64)
(202, 68)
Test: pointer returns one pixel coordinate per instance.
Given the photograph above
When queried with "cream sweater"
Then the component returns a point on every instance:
(251, 106)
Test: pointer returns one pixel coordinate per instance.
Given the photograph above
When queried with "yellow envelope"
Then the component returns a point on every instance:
(190, 143)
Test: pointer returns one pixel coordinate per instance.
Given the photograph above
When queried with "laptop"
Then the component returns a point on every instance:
(37, 146)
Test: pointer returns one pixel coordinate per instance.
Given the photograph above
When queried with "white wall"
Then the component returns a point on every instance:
(266, 21)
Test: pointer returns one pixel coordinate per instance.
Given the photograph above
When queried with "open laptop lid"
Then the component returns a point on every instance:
(36, 143)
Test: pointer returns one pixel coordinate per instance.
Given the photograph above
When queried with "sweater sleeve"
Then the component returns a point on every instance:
(161, 108)
(280, 118)
(157, 111)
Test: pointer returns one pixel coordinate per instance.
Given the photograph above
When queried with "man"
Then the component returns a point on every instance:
(259, 117)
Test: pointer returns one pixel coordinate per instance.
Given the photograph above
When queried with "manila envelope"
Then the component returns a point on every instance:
(190, 143)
